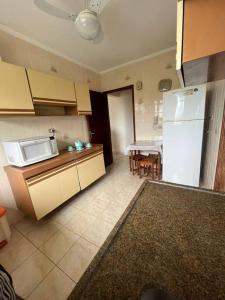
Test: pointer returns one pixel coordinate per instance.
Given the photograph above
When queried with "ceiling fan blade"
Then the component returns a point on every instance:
(54, 11)
(98, 5)
(99, 38)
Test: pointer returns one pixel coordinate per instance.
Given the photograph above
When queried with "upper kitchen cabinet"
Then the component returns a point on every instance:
(51, 90)
(83, 99)
(15, 97)
(180, 16)
(200, 41)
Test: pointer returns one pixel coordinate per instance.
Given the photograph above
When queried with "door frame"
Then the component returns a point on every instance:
(128, 87)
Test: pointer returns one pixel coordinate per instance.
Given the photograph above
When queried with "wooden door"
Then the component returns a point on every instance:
(219, 184)
(83, 99)
(90, 170)
(15, 97)
(99, 124)
(45, 86)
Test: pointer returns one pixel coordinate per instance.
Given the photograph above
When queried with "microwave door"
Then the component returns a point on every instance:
(36, 150)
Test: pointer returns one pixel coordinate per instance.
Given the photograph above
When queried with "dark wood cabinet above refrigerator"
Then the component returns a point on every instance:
(200, 41)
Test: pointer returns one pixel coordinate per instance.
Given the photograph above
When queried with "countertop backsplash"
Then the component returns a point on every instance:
(67, 128)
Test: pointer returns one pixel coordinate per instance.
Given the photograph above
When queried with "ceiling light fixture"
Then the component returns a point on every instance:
(87, 24)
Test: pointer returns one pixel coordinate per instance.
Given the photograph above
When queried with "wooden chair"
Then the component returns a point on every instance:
(134, 158)
(151, 165)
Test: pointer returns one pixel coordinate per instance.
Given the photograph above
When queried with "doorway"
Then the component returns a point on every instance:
(122, 121)
(99, 125)
(99, 121)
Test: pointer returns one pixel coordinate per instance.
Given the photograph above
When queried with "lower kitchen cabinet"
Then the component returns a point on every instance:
(90, 170)
(69, 183)
(51, 189)
(40, 188)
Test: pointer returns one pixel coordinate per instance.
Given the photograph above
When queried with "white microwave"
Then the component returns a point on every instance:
(25, 152)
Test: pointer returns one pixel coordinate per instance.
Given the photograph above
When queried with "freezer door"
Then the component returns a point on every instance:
(182, 147)
(185, 104)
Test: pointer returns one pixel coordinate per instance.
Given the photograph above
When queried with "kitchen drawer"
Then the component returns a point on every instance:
(90, 170)
(50, 189)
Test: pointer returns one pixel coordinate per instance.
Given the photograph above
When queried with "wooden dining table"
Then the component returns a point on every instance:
(149, 146)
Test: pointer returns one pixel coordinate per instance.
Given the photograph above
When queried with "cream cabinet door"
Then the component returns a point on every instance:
(69, 183)
(90, 170)
(83, 99)
(45, 195)
(46, 86)
(15, 97)
(180, 15)
(50, 190)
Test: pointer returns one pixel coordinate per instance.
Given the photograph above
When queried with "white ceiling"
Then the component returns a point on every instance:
(132, 29)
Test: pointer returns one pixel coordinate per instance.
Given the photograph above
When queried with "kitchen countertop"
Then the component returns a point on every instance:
(45, 165)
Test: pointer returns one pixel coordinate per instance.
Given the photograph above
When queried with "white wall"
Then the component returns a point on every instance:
(215, 103)
(150, 72)
(19, 52)
(121, 120)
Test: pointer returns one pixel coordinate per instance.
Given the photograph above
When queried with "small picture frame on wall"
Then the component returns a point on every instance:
(139, 85)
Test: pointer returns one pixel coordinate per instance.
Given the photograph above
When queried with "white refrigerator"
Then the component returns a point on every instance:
(183, 124)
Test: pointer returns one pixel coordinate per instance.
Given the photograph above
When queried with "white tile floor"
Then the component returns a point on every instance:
(47, 258)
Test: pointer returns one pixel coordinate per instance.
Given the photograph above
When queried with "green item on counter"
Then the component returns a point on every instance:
(79, 145)
(70, 148)
(88, 145)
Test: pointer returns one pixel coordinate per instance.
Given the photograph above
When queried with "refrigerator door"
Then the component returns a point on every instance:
(185, 104)
(182, 147)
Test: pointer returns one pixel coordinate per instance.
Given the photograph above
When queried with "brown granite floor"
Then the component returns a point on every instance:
(170, 238)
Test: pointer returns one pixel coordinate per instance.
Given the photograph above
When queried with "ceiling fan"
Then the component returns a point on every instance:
(86, 22)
